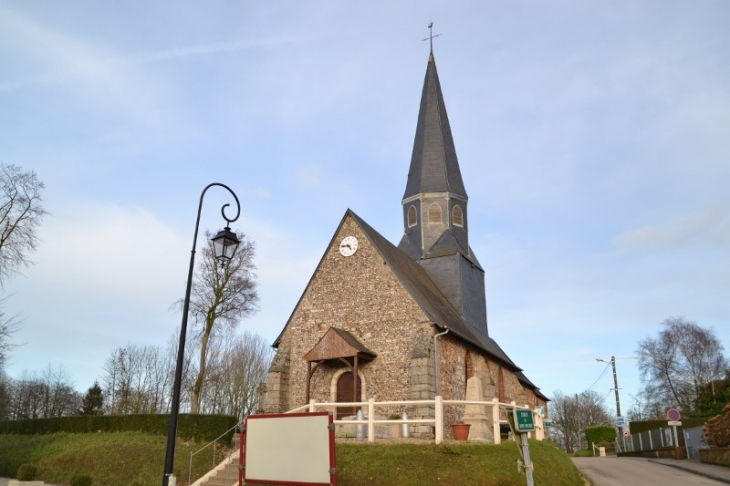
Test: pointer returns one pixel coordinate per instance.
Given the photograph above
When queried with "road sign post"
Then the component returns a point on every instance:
(528, 461)
(524, 421)
(521, 422)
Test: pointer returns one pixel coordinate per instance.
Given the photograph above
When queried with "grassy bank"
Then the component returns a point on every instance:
(451, 464)
(111, 459)
(126, 459)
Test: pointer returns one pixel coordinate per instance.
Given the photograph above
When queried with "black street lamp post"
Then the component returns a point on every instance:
(225, 244)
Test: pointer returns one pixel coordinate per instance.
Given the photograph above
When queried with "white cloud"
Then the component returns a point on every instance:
(90, 70)
(309, 176)
(107, 248)
(707, 227)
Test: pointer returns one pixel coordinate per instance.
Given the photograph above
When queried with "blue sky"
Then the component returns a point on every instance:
(592, 137)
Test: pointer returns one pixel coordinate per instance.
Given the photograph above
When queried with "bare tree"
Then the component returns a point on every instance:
(222, 294)
(137, 380)
(248, 363)
(677, 364)
(644, 408)
(5, 395)
(237, 366)
(46, 395)
(7, 327)
(20, 214)
(572, 414)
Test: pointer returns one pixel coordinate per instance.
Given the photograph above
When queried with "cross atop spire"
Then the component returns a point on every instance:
(430, 36)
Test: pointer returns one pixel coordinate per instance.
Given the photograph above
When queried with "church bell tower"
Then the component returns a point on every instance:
(435, 214)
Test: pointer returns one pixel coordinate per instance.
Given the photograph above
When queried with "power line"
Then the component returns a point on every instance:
(599, 377)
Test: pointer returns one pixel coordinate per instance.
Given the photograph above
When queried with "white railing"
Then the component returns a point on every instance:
(438, 416)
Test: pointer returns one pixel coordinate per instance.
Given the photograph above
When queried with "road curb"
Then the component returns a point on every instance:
(693, 471)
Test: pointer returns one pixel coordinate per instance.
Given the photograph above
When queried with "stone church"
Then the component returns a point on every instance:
(405, 322)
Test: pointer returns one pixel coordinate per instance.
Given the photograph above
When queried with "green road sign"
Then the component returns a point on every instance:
(548, 423)
(523, 420)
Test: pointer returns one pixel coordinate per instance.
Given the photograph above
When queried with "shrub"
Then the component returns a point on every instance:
(598, 434)
(27, 472)
(83, 480)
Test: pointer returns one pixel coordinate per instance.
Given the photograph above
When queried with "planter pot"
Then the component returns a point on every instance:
(460, 431)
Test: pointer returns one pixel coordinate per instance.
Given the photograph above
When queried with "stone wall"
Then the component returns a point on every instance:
(361, 295)
(716, 433)
(716, 455)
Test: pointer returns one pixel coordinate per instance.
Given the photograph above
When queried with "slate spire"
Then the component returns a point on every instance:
(435, 215)
(434, 188)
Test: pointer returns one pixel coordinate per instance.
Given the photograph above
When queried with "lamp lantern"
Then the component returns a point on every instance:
(225, 244)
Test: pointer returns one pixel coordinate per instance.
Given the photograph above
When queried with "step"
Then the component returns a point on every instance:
(225, 477)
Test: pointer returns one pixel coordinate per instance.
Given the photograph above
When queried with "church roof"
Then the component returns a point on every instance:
(338, 343)
(434, 166)
(426, 294)
(423, 290)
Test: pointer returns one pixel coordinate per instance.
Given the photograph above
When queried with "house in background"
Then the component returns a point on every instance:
(405, 322)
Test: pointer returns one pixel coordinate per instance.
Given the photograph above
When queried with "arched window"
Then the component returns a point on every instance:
(457, 216)
(412, 217)
(434, 213)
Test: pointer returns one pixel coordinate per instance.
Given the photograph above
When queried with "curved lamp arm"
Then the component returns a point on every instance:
(175, 404)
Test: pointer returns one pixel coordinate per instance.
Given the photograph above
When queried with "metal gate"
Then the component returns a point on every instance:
(693, 441)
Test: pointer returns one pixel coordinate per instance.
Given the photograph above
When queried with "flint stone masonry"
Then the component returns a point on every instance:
(361, 295)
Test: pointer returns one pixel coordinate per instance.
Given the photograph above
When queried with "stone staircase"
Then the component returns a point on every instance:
(225, 474)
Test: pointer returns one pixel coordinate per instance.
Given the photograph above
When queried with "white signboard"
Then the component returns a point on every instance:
(294, 448)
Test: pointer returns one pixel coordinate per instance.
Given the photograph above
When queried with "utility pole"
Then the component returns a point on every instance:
(615, 388)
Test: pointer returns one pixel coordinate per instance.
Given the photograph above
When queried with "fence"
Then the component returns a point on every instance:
(429, 413)
(433, 419)
(650, 440)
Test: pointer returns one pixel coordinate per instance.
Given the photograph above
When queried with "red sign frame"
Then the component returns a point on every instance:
(243, 444)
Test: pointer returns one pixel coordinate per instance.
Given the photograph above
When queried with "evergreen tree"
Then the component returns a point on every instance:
(93, 401)
(713, 397)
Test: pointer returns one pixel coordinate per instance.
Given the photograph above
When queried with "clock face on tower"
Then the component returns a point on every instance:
(348, 246)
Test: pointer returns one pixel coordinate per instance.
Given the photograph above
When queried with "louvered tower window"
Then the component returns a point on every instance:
(412, 217)
(457, 216)
(434, 213)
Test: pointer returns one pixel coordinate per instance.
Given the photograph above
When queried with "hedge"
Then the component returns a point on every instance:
(193, 427)
(598, 434)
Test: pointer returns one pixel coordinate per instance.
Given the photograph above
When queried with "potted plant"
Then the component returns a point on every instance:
(460, 430)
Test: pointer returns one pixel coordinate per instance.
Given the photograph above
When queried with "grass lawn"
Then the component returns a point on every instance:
(136, 459)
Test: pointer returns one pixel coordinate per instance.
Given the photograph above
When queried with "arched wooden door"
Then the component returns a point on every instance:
(346, 393)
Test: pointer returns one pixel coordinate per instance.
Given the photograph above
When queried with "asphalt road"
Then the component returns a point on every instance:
(634, 471)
